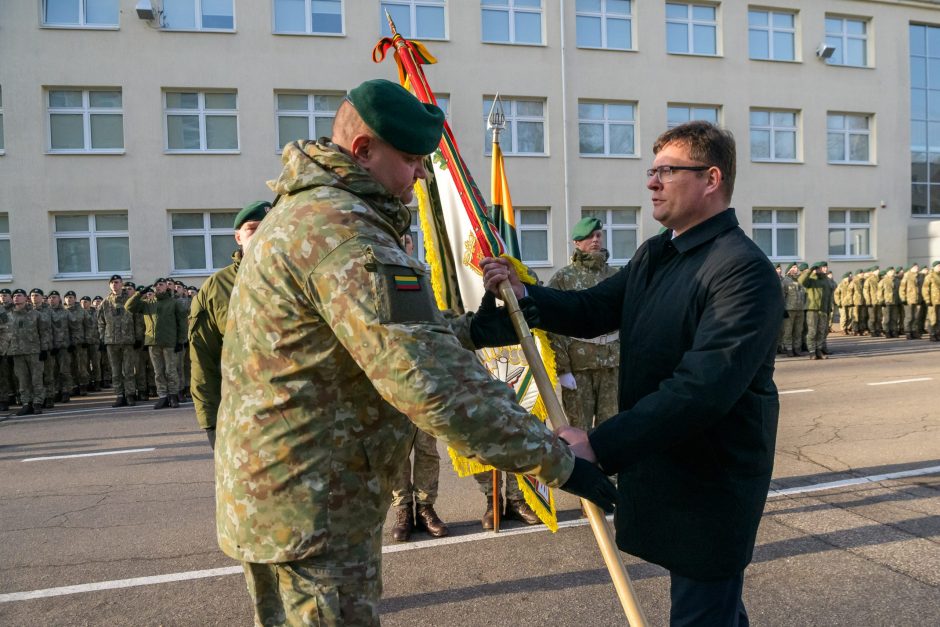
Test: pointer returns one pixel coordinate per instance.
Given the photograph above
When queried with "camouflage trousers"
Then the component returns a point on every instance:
(164, 369)
(29, 371)
(861, 318)
(793, 330)
(7, 379)
(94, 364)
(183, 365)
(594, 400)
(63, 365)
(846, 315)
(123, 358)
(874, 319)
(817, 325)
(890, 320)
(912, 316)
(933, 319)
(418, 486)
(80, 365)
(144, 369)
(485, 481)
(49, 370)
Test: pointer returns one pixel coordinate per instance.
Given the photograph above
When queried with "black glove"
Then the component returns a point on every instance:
(179, 348)
(42, 355)
(588, 482)
(54, 352)
(491, 326)
(210, 433)
(71, 349)
(138, 344)
(103, 347)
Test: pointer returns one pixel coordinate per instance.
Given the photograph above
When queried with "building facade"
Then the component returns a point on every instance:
(129, 139)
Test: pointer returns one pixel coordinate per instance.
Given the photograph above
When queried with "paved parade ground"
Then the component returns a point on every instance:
(107, 518)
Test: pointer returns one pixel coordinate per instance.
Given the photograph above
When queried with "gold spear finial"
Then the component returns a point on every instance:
(496, 120)
(391, 24)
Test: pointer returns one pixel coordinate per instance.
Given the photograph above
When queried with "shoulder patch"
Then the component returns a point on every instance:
(400, 287)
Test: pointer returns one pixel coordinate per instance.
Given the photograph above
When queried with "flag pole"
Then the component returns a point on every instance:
(408, 65)
(496, 122)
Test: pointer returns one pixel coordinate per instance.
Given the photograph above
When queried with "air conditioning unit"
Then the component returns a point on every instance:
(824, 51)
(145, 10)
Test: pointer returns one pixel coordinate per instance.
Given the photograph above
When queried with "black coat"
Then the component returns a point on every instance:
(693, 444)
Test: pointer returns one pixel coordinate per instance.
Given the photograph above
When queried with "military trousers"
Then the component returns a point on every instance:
(861, 319)
(594, 400)
(418, 485)
(889, 319)
(816, 324)
(80, 365)
(123, 360)
(911, 316)
(50, 369)
(315, 591)
(793, 330)
(874, 319)
(845, 318)
(513, 491)
(164, 361)
(933, 319)
(7, 379)
(144, 369)
(94, 364)
(29, 372)
(64, 370)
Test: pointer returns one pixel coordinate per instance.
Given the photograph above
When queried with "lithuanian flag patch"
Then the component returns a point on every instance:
(406, 282)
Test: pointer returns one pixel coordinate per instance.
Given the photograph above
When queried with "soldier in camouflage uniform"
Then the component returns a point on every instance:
(37, 301)
(7, 379)
(183, 366)
(842, 300)
(890, 299)
(145, 377)
(874, 299)
(88, 370)
(818, 305)
(164, 336)
(913, 299)
(59, 356)
(116, 330)
(103, 363)
(794, 296)
(931, 293)
(332, 343)
(859, 303)
(30, 341)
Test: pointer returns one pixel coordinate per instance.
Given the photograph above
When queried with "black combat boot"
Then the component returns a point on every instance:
(426, 518)
(519, 510)
(404, 523)
(174, 400)
(26, 410)
(487, 520)
(162, 402)
(131, 400)
(142, 395)
(82, 390)
(66, 397)
(120, 401)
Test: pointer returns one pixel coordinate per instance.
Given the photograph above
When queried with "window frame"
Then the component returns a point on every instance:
(690, 107)
(770, 29)
(311, 113)
(923, 147)
(308, 22)
(603, 15)
(92, 235)
(512, 10)
(847, 134)
(846, 228)
(3, 143)
(86, 112)
(5, 237)
(413, 17)
(690, 21)
(607, 123)
(82, 18)
(206, 232)
(844, 36)
(775, 226)
(199, 28)
(201, 112)
(773, 129)
(608, 226)
(546, 228)
(512, 118)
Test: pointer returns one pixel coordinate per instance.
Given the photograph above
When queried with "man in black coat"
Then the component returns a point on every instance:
(698, 309)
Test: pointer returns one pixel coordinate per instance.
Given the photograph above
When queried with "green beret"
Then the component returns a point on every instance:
(584, 228)
(793, 265)
(255, 211)
(820, 264)
(935, 263)
(397, 117)
(803, 266)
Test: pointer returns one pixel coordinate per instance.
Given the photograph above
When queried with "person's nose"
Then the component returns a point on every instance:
(420, 171)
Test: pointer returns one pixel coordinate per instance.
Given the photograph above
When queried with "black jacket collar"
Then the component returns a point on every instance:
(705, 231)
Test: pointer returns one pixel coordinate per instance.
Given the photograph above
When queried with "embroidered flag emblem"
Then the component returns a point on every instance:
(405, 282)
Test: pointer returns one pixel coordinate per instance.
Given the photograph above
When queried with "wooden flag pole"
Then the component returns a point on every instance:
(556, 415)
(496, 508)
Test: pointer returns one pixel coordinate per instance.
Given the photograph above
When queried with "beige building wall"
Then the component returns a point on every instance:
(147, 183)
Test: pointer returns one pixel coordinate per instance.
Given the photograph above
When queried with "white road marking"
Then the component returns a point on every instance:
(902, 381)
(121, 452)
(803, 391)
(411, 546)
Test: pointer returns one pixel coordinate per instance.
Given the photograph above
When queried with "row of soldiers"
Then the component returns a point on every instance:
(808, 299)
(53, 348)
(887, 303)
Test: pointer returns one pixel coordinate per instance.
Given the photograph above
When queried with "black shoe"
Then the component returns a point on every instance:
(825, 351)
(65, 397)
(427, 519)
(131, 400)
(142, 396)
(26, 410)
(82, 390)
(404, 523)
(487, 520)
(161, 403)
(174, 400)
(120, 401)
(520, 510)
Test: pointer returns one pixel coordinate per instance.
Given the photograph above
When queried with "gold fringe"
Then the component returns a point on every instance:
(548, 516)
(430, 251)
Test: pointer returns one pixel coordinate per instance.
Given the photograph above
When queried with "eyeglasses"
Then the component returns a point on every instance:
(664, 173)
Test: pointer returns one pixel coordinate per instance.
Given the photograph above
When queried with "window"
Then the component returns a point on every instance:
(421, 19)
(677, 114)
(87, 13)
(691, 28)
(604, 24)
(305, 116)
(621, 232)
(2, 149)
(848, 138)
(313, 17)
(771, 35)
(86, 120)
(849, 37)
(6, 263)
(606, 129)
(525, 127)
(777, 232)
(91, 243)
(925, 114)
(532, 228)
(197, 15)
(417, 236)
(773, 135)
(850, 233)
(512, 21)
(201, 121)
(202, 242)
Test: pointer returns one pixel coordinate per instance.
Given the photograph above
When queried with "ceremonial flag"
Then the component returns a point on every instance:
(503, 214)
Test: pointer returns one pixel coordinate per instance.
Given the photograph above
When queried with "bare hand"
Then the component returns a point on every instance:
(497, 270)
(578, 442)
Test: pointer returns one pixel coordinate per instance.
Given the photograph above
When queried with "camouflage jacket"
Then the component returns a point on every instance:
(164, 319)
(207, 317)
(794, 295)
(888, 289)
(76, 324)
(931, 288)
(840, 293)
(818, 291)
(857, 292)
(571, 354)
(332, 343)
(873, 295)
(46, 333)
(911, 283)
(90, 326)
(115, 324)
(59, 319)
(28, 335)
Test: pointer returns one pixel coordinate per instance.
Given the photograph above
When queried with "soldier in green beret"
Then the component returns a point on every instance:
(818, 305)
(794, 299)
(334, 350)
(931, 293)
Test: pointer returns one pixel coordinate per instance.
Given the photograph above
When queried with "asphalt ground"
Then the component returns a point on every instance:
(107, 518)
